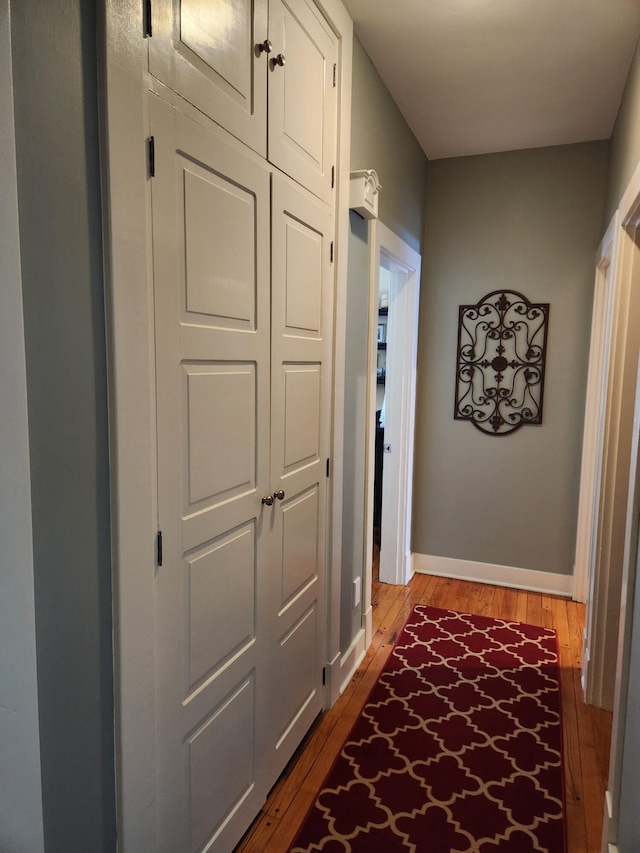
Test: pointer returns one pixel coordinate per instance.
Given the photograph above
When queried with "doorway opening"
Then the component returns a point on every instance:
(394, 292)
(382, 344)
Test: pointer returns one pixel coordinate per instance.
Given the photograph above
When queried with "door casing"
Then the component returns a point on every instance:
(402, 344)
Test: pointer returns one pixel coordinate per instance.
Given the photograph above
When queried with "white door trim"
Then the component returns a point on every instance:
(402, 347)
(629, 217)
(627, 616)
(125, 126)
(337, 16)
(606, 590)
(21, 823)
(595, 409)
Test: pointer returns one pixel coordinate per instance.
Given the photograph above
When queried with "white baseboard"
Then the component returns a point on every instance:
(352, 659)
(342, 668)
(332, 686)
(368, 627)
(469, 570)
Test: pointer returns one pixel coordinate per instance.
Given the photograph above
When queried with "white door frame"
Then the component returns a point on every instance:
(627, 616)
(607, 551)
(400, 388)
(125, 127)
(21, 822)
(629, 217)
(595, 408)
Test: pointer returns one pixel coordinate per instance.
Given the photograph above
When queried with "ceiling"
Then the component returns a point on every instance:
(478, 76)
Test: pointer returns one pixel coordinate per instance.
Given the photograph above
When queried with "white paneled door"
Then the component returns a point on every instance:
(224, 56)
(211, 287)
(243, 335)
(302, 94)
(300, 418)
(210, 53)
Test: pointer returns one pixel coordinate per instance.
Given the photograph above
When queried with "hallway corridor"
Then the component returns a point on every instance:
(586, 730)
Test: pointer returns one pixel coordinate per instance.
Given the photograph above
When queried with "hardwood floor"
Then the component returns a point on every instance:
(587, 730)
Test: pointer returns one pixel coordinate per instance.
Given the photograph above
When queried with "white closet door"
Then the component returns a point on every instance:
(302, 95)
(208, 53)
(210, 207)
(300, 412)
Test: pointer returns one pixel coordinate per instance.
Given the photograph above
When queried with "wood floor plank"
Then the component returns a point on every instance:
(521, 606)
(474, 595)
(586, 730)
(534, 609)
(509, 604)
(497, 604)
(440, 595)
(547, 612)
(485, 601)
(461, 603)
(423, 588)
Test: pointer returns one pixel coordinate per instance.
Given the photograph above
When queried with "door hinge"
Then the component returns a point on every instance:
(335, 75)
(151, 144)
(333, 177)
(328, 467)
(159, 548)
(324, 675)
(331, 253)
(146, 13)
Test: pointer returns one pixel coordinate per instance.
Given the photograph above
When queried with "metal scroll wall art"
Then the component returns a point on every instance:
(502, 343)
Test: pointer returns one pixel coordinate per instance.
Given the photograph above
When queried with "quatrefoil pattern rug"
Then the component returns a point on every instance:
(457, 750)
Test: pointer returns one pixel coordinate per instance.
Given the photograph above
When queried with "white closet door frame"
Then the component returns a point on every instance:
(124, 123)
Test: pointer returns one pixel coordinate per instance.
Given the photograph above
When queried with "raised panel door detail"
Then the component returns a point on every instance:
(301, 414)
(206, 52)
(302, 97)
(220, 430)
(219, 233)
(219, 34)
(299, 544)
(303, 279)
(224, 742)
(303, 129)
(297, 662)
(213, 438)
(225, 574)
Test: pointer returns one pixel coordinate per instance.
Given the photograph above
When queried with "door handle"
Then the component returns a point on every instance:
(264, 46)
(268, 500)
(278, 60)
(279, 494)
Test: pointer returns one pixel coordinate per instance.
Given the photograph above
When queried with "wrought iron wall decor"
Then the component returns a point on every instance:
(502, 345)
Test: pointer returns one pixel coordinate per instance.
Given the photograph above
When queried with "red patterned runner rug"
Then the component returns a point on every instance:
(457, 750)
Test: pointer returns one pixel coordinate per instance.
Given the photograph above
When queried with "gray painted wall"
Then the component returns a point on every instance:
(356, 370)
(529, 221)
(380, 140)
(20, 783)
(625, 140)
(56, 113)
